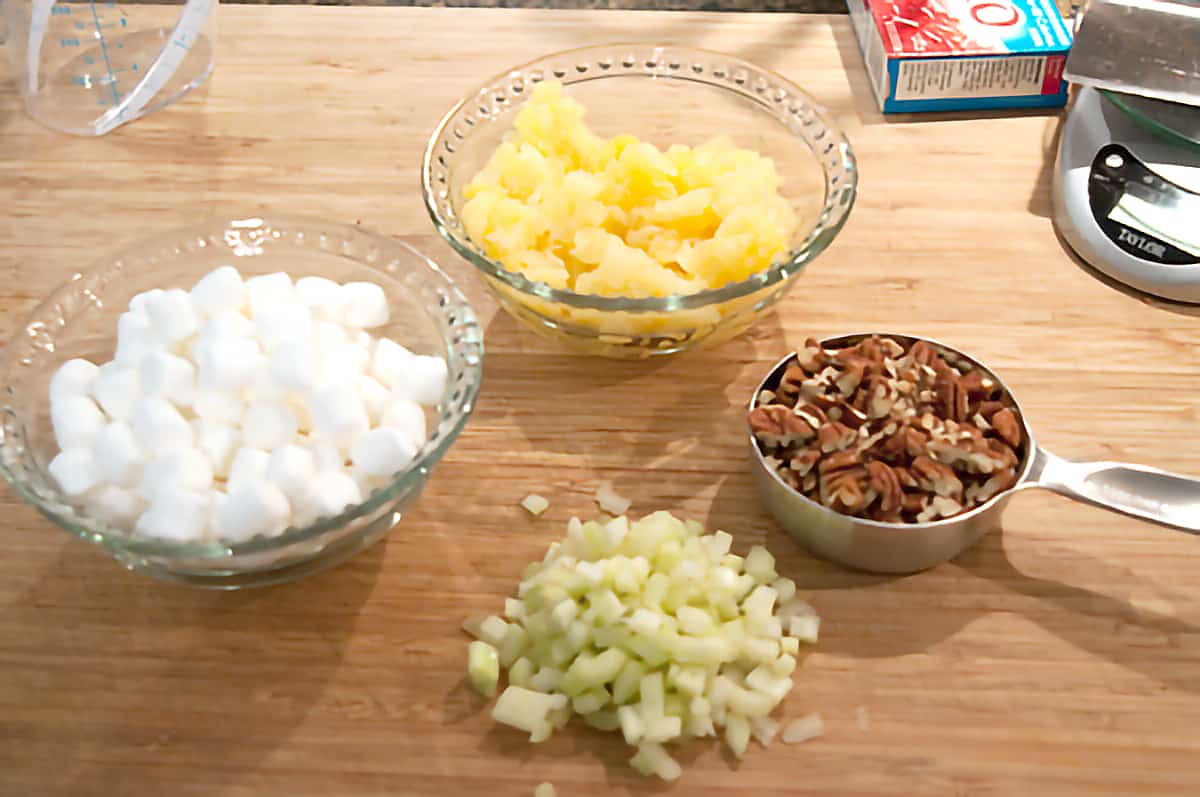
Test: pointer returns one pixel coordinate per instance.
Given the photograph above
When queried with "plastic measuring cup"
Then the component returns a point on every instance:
(88, 66)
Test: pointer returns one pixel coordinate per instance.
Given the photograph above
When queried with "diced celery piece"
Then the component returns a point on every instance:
(784, 666)
(653, 695)
(733, 562)
(727, 608)
(694, 621)
(764, 730)
(691, 680)
(655, 590)
(785, 588)
(692, 528)
(645, 621)
(633, 728)
(699, 706)
(525, 709)
(718, 544)
(750, 703)
(590, 672)
(521, 672)
(493, 630)
(761, 565)
(805, 628)
(737, 734)
(564, 614)
(700, 650)
(578, 635)
(514, 609)
(483, 667)
(603, 720)
(674, 705)
(513, 645)
(546, 679)
(591, 701)
(648, 649)
(700, 725)
(668, 555)
(760, 602)
(625, 687)
(615, 532)
(663, 729)
(790, 645)
(652, 759)
(757, 650)
(473, 626)
(545, 790)
(609, 636)
(807, 727)
(607, 605)
(561, 652)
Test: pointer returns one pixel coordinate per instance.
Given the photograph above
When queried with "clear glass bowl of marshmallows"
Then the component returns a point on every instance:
(242, 403)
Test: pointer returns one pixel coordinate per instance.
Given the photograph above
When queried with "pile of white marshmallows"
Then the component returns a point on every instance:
(241, 408)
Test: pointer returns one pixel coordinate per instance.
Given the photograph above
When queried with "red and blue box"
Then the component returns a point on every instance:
(953, 55)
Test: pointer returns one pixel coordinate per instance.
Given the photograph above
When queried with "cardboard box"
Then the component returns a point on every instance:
(948, 55)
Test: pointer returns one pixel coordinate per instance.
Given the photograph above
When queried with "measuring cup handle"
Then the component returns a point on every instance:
(1146, 493)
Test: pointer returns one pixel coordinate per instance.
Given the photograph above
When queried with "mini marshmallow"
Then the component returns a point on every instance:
(300, 407)
(277, 323)
(179, 469)
(330, 336)
(160, 427)
(117, 388)
(323, 297)
(252, 510)
(73, 378)
(294, 365)
(407, 417)
(390, 361)
(227, 324)
(331, 493)
(366, 305)
(367, 482)
(75, 471)
(167, 376)
(118, 455)
(343, 364)
(76, 421)
(338, 414)
(382, 452)
(135, 337)
(219, 406)
(268, 290)
(375, 397)
(218, 441)
(139, 302)
(326, 456)
(219, 291)
(228, 363)
(425, 380)
(292, 469)
(178, 515)
(249, 466)
(119, 507)
(172, 315)
(269, 425)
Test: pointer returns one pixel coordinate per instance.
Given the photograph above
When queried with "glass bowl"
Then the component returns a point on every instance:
(666, 95)
(429, 315)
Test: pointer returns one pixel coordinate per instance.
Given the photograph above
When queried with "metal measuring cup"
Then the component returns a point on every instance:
(1146, 493)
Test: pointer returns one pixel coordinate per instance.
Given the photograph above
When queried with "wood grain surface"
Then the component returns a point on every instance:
(1060, 657)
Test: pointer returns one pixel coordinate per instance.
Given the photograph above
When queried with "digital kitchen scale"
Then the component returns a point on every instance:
(1127, 179)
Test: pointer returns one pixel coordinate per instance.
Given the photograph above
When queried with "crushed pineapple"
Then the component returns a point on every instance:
(620, 217)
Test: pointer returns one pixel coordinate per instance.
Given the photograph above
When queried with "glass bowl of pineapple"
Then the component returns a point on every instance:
(638, 200)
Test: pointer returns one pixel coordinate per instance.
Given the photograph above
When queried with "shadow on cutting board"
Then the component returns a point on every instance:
(880, 616)
(209, 682)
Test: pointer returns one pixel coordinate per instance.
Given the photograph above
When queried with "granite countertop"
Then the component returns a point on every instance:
(802, 6)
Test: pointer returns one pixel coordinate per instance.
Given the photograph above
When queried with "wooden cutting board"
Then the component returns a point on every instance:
(1060, 657)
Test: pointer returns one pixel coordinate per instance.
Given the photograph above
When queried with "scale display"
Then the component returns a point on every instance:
(1143, 214)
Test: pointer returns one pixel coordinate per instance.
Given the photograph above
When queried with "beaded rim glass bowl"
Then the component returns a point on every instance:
(756, 108)
(429, 314)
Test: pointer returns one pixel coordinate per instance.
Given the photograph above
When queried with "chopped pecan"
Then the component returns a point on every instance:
(922, 353)
(803, 461)
(811, 357)
(1007, 426)
(989, 408)
(835, 436)
(790, 384)
(905, 477)
(914, 503)
(951, 398)
(776, 425)
(935, 477)
(978, 387)
(885, 482)
(839, 461)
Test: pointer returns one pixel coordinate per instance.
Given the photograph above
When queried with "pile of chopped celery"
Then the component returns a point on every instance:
(651, 628)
